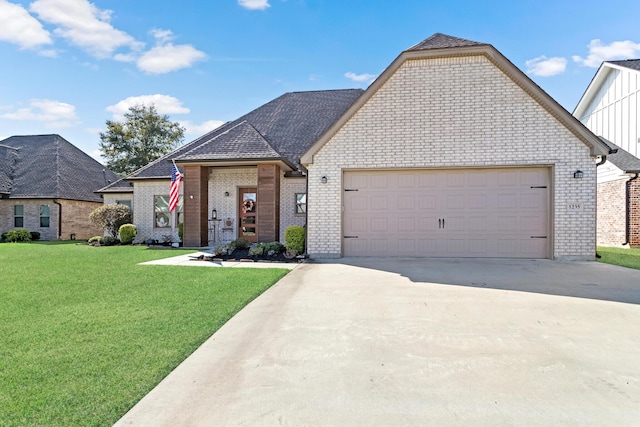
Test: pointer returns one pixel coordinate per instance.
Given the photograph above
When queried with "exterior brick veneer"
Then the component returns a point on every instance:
(611, 213)
(455, 112)
(634, 218)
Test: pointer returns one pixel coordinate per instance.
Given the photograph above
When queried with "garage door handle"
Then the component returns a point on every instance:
(350, 237)
(538, 237)
(440, 222)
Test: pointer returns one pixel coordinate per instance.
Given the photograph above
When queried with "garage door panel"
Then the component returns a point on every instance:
(461, 213)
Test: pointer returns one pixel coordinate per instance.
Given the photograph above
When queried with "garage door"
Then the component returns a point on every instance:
(447, 213)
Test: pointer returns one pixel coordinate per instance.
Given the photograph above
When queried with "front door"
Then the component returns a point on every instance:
(248, 209)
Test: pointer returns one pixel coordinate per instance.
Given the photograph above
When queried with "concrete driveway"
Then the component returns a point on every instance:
(407, 342)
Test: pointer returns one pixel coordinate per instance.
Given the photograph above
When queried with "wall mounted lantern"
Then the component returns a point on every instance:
(323, 180)
(578, 174)
(226, 194)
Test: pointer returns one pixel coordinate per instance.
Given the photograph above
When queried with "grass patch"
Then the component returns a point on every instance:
(620, 256)
(85, 332)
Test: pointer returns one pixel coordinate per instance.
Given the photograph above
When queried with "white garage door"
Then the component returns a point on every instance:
(447, 213)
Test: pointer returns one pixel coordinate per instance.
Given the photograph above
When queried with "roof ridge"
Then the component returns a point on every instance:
(443, 41)
(218, 136)
(266, 140)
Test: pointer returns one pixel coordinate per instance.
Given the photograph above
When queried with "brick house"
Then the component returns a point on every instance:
(48, 185)
(452, 151)
(242, 179)
(610, 109)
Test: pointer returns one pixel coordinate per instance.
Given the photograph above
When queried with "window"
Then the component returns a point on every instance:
(127, 203)
(18, 216)
(163, 214)
(45, 214)
(301, 203)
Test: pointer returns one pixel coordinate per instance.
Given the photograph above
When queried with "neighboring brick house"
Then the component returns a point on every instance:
(48, 185)
(454, 152)
(610, 107)
(242, 179)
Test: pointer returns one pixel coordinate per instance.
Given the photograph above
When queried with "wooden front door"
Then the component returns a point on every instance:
(248, 209)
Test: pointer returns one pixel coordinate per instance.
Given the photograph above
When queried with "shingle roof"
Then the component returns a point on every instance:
(8, 157)
(633, 64)
(48, 166)
(443, 41)
(624, 160)
(282, 129)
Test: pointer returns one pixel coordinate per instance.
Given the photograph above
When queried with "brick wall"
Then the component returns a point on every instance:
(75, 217)
(634, 226)
(144, 211)
(455, 112)
(612, 213)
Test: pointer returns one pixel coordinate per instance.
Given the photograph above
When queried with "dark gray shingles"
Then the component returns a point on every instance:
(623, 159)
(240, 141)
(48, 166)
(282, 129)
(633, 64)
(8, 157)
(443, 41)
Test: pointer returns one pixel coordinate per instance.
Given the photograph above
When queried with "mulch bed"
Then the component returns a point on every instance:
(242, 255)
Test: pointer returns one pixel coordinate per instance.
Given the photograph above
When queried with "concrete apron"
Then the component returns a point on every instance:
(381, 342)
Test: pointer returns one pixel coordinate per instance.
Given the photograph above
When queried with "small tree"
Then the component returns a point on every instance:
(141, 138)
(110, 218)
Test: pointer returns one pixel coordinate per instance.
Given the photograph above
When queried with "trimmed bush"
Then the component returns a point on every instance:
(109, 241)
(18, 235)
(95, 240)
(110, 218)
(127, 233)
(181, 231)
(256, 250)
(3, 237)
(240, 243)
(294, 239)
(35, 235)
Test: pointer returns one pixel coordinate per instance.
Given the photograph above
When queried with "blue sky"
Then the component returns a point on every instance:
(69, 65)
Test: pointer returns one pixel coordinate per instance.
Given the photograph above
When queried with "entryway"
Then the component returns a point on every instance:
(248, 214)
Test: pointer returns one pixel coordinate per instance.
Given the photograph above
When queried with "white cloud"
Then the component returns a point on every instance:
(55, 114)
(164, 104)
(254, 4)
(195, 129)
(84, 25)
(168, 57)
(162, 36)
(360, 77)
(17, 26)
(617, 50)
(546, 67)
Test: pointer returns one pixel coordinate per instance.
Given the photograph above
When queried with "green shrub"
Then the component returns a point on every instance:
(18, 235)
(95, 240)
(240, 243)
(274, 248)
(257, 250)
(3, 237)
(294, 239)
(109, 241)
(35, 235)
(181, 230)
(127, 233)
(110, 218)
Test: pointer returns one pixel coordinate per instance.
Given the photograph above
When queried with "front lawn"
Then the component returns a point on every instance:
(620, 256)
(85, 332)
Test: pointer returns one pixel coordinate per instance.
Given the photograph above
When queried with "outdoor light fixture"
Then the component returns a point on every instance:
(226, 194)
(214, 214)
(578, 174)
(323, 180)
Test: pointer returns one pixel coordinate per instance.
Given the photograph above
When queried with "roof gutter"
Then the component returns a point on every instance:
(627, 231)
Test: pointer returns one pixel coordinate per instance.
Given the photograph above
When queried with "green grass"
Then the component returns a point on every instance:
(85, 332)
(620, 256)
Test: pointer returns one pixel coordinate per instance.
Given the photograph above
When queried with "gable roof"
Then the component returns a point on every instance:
(624, 160)
(441, 45)
(598, 80)
(49, 166)
(278, 131)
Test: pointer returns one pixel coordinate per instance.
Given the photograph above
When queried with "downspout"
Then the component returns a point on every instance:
(59, 218)
(601, 162)
(627, 231)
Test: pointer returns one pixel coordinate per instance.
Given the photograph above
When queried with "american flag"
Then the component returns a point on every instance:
(174, 192)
